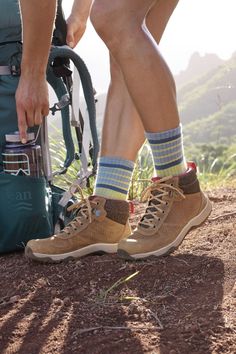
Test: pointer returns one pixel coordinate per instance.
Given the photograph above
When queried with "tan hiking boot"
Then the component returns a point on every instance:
(98, 226)
(176, 204)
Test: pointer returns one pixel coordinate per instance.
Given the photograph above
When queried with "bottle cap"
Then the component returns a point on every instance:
(15, 137)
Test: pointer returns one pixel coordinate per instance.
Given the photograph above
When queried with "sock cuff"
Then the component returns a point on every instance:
(162, 136)
(167, 152)
(110, 161)
(113, 177)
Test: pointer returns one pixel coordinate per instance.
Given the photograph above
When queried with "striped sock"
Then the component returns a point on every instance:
(113, 177)
(168, 153)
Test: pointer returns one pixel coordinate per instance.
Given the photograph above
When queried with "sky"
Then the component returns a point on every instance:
(205, 26)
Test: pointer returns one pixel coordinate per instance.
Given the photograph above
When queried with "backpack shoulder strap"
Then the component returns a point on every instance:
(59, 34)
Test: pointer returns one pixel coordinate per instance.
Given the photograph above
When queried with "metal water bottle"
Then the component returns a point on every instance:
(22, 159)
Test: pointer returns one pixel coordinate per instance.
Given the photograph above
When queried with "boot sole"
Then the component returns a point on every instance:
(195, 222)
(56, 258)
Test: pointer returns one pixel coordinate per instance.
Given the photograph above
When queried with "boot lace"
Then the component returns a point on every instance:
(156, 194)
(82, 210)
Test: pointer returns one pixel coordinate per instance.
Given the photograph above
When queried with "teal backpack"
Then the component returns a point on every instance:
(33, 207)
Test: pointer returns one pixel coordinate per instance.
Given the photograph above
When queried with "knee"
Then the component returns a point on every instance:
(110, 22)
(102, 17)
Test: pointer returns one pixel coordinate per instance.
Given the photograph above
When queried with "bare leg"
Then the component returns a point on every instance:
(148, 79)
(158, 17)
(123, 132)
(176, 203)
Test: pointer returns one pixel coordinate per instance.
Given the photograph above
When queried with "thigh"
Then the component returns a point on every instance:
(158, 17)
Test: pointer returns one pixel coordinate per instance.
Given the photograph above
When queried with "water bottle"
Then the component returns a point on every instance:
(22, 159)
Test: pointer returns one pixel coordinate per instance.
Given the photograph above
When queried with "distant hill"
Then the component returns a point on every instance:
(207, 106)
(198, 65)
(209, 93)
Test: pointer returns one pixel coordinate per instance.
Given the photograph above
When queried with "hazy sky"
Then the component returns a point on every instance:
(206, 26)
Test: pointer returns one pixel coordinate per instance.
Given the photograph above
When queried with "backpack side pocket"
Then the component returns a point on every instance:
(25, 211)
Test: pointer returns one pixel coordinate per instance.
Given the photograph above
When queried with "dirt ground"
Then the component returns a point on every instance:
(184, 303)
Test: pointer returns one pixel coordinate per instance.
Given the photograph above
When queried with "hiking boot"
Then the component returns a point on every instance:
(98, 226)
(175, 205)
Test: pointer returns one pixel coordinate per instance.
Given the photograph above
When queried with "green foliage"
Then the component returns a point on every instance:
(103, 295)
(216, 163)
(58, 153)
(143, 172)
(217, 128)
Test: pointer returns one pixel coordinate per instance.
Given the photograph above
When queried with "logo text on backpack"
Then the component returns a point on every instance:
(22, 200)
(23, 196)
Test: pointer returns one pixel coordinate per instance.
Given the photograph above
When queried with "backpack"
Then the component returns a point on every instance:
(33, 207)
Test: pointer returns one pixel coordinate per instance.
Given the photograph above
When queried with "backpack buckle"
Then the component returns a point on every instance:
(15, 70)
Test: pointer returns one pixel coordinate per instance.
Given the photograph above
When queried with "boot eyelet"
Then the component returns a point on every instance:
(163, 211)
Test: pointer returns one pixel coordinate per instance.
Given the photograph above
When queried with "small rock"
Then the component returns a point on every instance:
(233, 292)
(57, 302)
(42, 282)
(54, 292)
(132, 307)
(14, 299)
(67, 301)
